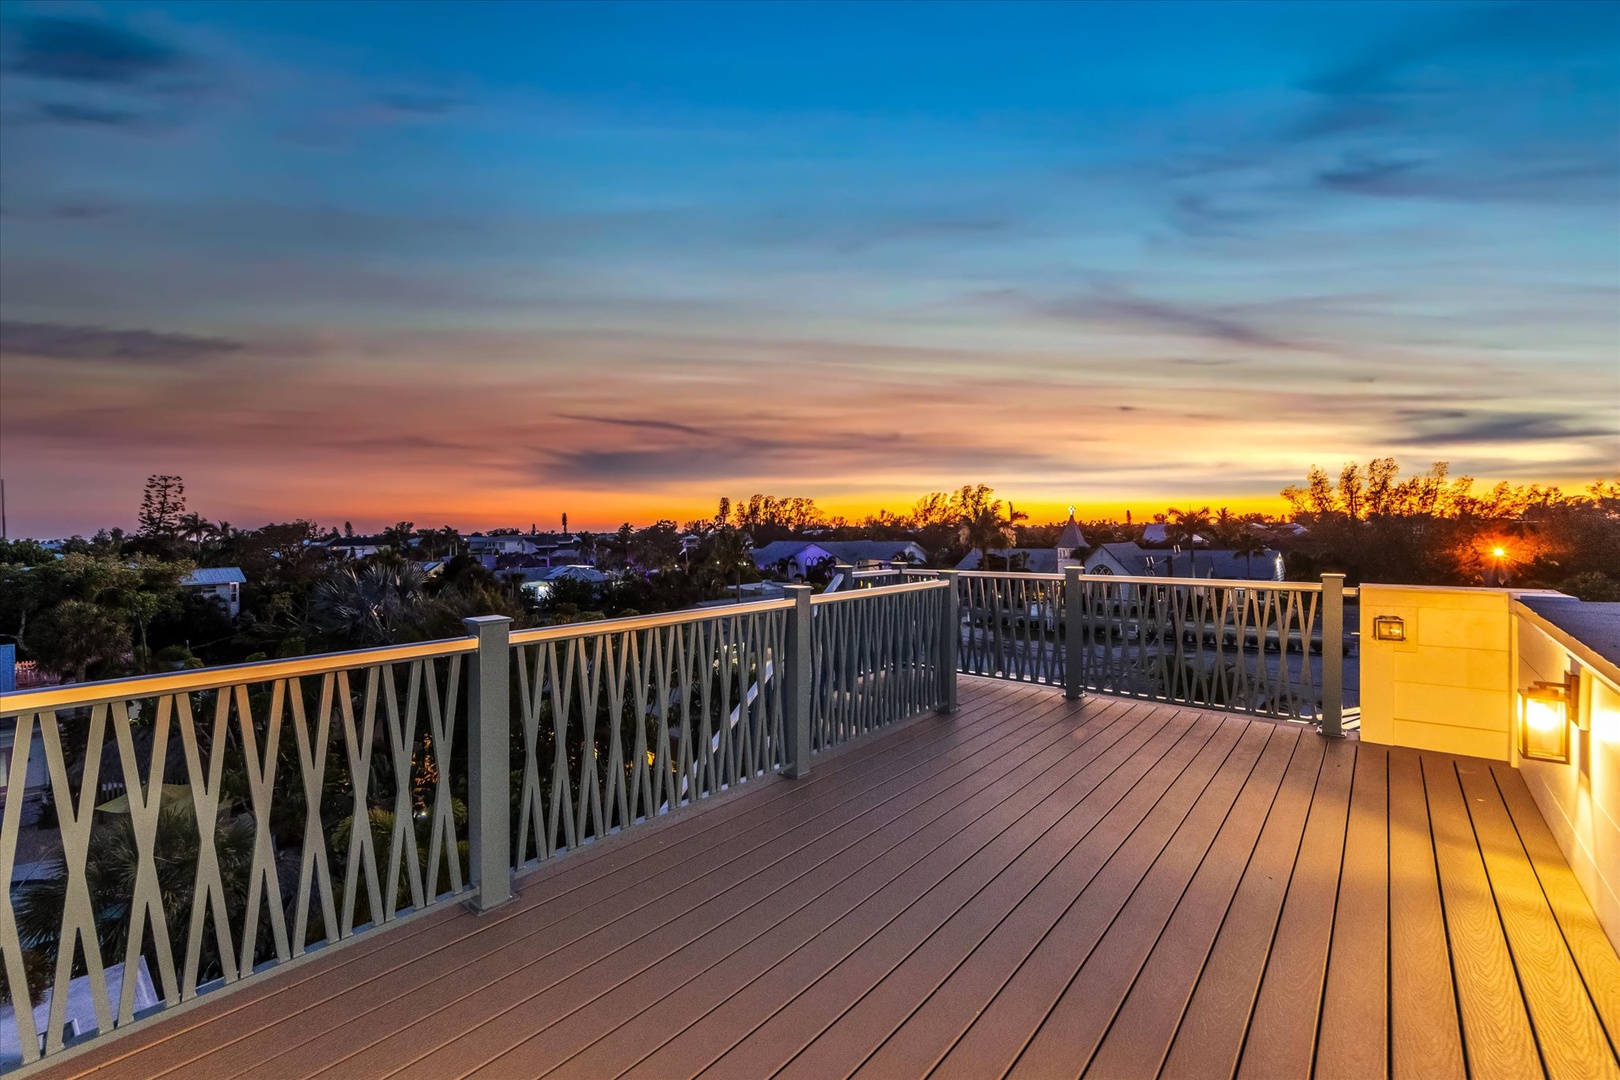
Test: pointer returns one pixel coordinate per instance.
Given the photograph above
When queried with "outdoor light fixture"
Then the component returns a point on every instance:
(1389, 628)
(1544, 719)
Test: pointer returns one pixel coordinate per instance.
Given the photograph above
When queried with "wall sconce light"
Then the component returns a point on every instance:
(1545, 718)
(1389, 628)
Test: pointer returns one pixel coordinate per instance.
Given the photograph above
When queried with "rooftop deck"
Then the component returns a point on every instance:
(1110, 888)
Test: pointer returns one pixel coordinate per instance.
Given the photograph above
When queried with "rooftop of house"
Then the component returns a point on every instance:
(849, 551)
(216, 575)
(1219, 563)
(1027, 560)
(1158, 535)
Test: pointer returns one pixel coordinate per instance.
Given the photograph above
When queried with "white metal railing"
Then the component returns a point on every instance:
(278, 807)
(1270, 648)
(242, 787)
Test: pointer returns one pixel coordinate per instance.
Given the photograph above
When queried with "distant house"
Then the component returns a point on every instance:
(797, 557)
(354, 547)
(538, 580)
(1130, 560)
(222, 582)
(503, 544)
(502, 551)
(1053, 560)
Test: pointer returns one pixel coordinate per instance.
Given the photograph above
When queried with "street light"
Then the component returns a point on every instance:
(1498, 553)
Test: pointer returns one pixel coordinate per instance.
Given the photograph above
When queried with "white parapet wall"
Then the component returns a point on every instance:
(1448, 686)
(1580, 800)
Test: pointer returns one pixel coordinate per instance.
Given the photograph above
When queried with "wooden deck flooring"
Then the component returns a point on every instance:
(1031, 887)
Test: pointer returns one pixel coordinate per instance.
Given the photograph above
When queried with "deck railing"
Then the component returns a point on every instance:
(268, 809)
(1269, 648)
(271, 809)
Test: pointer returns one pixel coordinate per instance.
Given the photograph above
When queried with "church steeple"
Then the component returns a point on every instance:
(1069, 540)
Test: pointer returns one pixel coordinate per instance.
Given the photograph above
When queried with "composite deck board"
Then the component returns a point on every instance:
(992, 1047)
(1142, 1028)
(820, 1035)
(1588, 947)
(1497, 1034)
(1425, 1033)
(1209, 1039)
(938, 1024)
(815, 935)
(1079, 1019)
(777, 996)
(836, 886)
(1031, 887)
(1566, 1026)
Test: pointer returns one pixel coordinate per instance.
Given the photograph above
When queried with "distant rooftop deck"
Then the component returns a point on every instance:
(1031, 886)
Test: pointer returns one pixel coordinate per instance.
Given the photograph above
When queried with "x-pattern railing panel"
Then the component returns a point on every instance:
(275, 807)
(621, 724)
(229, 783)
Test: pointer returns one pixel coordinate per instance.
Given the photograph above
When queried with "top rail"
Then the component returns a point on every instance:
(634, 623)
(214, 678)
(1151, 579)
(888, 590)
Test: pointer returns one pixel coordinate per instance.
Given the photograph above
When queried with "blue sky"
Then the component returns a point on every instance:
(489, 262)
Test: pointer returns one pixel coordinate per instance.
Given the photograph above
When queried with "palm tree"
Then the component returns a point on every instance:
(731, 553)
(1186, 526)
(981, 525)
(377, 605)
(1247, 544)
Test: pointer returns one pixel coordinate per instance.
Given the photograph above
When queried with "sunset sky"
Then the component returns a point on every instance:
(486, 264)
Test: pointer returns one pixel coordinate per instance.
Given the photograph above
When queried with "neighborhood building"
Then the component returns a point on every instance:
(1068, 551)
(796, 558)
(1131, 560)
(222, 582)
(537, 580)
(1157, 535)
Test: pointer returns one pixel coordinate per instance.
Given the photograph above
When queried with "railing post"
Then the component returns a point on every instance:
(848, 576)
(1332, 655)
(1073, 682)
(950, 642)
(796, 695)
(489, 765)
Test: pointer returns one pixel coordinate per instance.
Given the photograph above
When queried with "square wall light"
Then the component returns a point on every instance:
(1389, 628)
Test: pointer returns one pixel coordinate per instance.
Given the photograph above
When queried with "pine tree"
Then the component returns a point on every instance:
(163, 504)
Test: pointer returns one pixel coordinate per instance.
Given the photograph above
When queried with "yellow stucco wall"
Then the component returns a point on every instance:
(1448, 686)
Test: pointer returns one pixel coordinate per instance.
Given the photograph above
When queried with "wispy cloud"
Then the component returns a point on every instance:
(55, 341)
(82, 50)
(1458, 428)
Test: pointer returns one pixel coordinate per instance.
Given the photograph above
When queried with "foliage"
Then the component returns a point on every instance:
(1432, 529)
